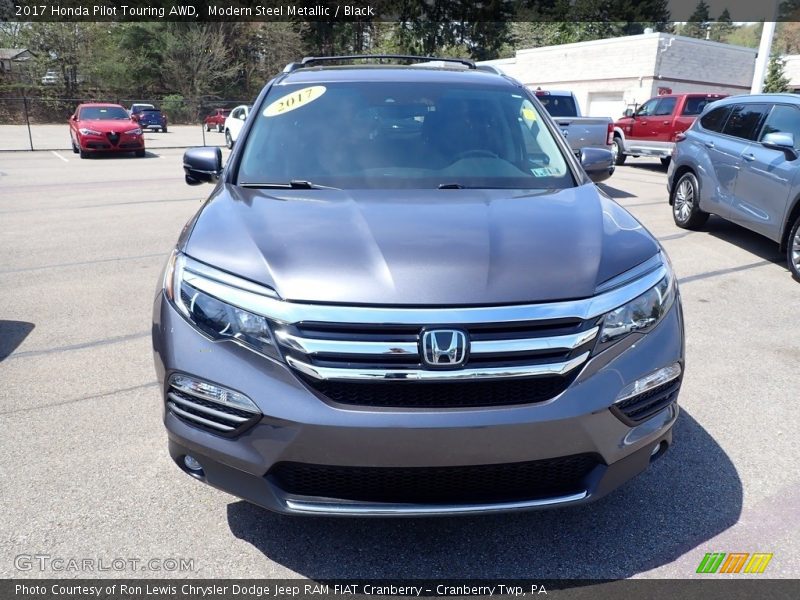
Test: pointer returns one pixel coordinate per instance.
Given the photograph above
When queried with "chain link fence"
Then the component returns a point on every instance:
(42, 123)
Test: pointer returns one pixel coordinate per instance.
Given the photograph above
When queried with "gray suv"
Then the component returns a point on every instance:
(406, 296)
(739, 161)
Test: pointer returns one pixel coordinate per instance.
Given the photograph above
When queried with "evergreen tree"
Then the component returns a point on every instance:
(723, 27)
(776, 80)
(698, 23)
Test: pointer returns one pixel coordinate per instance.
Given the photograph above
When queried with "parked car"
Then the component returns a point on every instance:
(104, 128)
(138, 107)
(740, 161)
(581, 132)
(51, 77)
(216, 120)
(234, 123)
(444, 319)
(152, 118)
(651, 129)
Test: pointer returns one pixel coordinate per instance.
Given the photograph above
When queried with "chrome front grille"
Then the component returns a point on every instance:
(361, 364)
(205, 412)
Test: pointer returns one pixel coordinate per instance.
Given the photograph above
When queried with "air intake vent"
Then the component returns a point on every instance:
(450, 485)
(210, 407)
(643, 406)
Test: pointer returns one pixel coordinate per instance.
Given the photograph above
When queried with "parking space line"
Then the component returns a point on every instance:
(57, 155)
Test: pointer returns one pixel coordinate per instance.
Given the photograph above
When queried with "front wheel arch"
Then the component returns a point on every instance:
(787, 226)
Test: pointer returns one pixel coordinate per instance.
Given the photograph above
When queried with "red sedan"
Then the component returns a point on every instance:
(216, 119)
(104, 128)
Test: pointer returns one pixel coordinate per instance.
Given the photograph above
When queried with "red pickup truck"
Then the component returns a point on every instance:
(651, 129)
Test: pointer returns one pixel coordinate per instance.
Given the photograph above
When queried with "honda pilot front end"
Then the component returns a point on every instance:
(406, 297)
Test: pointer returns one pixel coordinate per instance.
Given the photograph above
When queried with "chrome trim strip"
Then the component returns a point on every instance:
(317, 346)
(409, 510)
(557, 342)
(203, 396)
(227, 279)
(293, 312)
(332, 373)
(638, 271)
(180, 412)
(209, 411)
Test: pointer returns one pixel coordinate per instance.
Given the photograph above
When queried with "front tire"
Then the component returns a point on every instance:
(793, 249)
(618, 152)
(74, 147)
(208, 127)
(140, 153)
(83, 153)
(163, 130)
(686, 203)
(219, 128)
(228, 139)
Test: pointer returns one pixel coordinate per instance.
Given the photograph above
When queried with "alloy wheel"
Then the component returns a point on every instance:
(684, 200)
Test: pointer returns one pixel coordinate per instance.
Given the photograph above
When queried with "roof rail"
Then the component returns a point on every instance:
(309, 60)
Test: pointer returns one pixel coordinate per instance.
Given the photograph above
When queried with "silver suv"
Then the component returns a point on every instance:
(406, 296)
(740, 161)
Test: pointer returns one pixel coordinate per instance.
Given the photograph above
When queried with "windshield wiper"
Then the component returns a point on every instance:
(294, 184)
(451, 186)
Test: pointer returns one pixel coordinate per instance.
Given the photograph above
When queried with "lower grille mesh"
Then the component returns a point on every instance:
(645, 405)
(442, 394)
(438, 485)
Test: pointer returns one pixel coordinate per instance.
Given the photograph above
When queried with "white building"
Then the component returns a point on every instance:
(609, 75)
(791, 70)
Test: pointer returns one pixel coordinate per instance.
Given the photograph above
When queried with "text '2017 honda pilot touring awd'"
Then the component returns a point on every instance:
(406, 296)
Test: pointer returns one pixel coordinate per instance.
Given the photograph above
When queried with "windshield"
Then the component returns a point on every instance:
(391, 135)
(559, 106)
(103, 113)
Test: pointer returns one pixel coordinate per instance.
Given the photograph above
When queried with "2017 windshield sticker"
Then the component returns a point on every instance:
(528, 114)
(294, 100)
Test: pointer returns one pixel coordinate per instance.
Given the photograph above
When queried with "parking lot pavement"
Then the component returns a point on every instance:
(85, 471)
(56, 137)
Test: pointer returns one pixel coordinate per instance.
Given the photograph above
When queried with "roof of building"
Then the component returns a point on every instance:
(14, 53)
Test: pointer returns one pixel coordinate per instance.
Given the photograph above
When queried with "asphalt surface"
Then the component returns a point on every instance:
(83, 461)
(56, 137)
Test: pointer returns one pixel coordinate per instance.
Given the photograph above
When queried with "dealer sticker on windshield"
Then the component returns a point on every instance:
(294, 100)
(545, 172)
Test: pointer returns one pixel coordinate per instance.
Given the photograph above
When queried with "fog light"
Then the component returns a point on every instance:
(192, 464)
(648, 382)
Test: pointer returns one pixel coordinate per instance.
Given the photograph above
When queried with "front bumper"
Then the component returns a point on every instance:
(299, 427)
(101, 143)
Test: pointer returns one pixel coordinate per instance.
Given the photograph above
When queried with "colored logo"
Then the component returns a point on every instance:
(734, 562)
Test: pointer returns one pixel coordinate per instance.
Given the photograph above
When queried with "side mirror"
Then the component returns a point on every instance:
(628, 112)
(598, 163)
(782, 141)
(202, 165)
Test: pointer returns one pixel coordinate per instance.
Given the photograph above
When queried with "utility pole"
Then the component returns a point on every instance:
(764, 50)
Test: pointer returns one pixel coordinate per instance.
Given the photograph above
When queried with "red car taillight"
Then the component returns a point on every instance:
(610, 135)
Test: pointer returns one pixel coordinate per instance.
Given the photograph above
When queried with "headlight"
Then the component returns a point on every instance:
(217, 317)
(86, 131)
(640, 314)
(136, 131)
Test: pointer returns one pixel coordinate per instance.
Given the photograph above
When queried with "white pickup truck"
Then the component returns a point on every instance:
(581, 132)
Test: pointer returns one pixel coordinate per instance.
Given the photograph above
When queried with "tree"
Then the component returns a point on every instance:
(722, 28)
(196, 60)
(698, 22)
(775, 81)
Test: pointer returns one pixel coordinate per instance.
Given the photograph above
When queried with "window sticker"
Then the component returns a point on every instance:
(545, 172)
(528, 113)
(294, 100)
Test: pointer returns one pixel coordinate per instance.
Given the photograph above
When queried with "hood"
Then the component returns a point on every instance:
(420, 247)
(109, 125)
